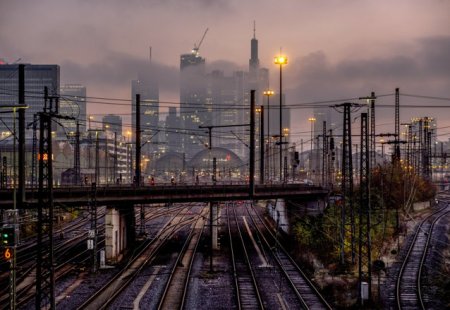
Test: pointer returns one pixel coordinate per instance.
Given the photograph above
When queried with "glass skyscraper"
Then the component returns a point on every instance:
(36, 78)
(73, 104)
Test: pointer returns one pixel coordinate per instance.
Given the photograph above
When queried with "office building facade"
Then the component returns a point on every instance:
(72, 103)
(37, 77)
(112, 123)
(147, 87)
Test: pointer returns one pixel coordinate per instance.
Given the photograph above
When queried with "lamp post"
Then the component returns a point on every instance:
(268, 93)
(90, 117)
(260, 110)
(312, 120)
(285, 164)
(281, 60)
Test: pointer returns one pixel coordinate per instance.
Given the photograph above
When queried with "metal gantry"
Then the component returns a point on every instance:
(397, 126)
(34, 165)
(347, 225)
(372, 150)
(45, 270)
(347, 212)
(93, 232)
(325, 162)
(45, 276)
(364, 257)
(77, 165)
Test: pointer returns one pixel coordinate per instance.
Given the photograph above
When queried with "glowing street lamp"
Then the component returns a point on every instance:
(281, 60)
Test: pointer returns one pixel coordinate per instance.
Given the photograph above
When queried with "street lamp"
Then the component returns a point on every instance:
(260, 110)
(281, 60)
(268, 93)
(312, 120)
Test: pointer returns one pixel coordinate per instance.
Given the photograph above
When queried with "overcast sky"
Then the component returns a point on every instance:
(336, 48)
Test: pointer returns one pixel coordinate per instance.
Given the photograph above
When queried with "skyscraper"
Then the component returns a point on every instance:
(147, 86)
(112, 123)
(36, 78)
(72, 103)
(194, 109)
(173, 136)
(225, 110)
(253, 62)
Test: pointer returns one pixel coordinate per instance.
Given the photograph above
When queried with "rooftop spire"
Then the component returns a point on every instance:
(254, 61)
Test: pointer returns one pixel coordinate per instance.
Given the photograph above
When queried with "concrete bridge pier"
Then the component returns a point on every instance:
(213, 231)
(279, 209)
(119, 232)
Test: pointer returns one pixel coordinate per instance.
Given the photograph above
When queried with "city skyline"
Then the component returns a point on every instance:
(336, 50)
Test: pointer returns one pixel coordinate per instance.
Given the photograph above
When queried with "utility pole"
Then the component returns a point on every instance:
(373, 150)
(397, 126)
(34, 152)
(332, 159)
(97, 159)
(106, 159)
(21, 193)
(92, 236)
(45, 267)
(324, 155)
(252, 143)
(4, 172)
(138, 141)
(77, 165)
(115, 156)
(347, 185)
(347, 211)
(364, 261)
(45, 276)
(261, 148)
(421, 148)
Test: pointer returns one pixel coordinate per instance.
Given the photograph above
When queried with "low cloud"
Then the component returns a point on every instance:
(117, 70)
(315, 77)
(425, 70)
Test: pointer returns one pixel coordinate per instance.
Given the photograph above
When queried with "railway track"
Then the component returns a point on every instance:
(247, 290)
(64, 257)
(408, 293)
(27, 291)
(113, 288)
(307, 294)
(175, 292)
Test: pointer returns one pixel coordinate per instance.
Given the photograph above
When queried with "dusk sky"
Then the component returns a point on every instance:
(336, 48)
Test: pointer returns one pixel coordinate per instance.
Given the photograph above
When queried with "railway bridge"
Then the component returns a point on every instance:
(120, 201)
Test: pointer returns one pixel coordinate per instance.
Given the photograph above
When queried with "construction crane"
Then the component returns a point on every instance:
(197, 46)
